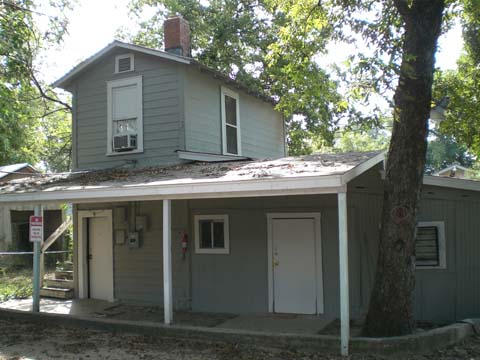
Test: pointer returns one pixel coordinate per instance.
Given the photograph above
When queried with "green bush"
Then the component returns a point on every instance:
(15, 284)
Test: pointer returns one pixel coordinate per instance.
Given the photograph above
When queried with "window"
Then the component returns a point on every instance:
(124, 63)
(230, 123)
(125, 123)
(211, 234)
(430, 245)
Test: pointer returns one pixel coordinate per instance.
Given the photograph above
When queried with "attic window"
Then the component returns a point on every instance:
(124, 63)
(430, 245)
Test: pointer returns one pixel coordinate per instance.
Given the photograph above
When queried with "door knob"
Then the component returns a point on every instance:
(276, 263)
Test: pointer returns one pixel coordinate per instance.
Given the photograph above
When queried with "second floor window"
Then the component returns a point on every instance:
(230, 122)
(125, 123)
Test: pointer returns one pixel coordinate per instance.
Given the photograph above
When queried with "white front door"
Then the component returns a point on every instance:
(100, 258)
(294, 269)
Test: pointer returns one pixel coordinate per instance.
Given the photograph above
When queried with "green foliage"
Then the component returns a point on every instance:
(15, 284)
(358, 139)
(461, 87)
(28, 131)
(444, 151)
(463, 115)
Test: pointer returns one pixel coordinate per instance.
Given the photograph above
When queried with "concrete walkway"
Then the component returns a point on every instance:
(89, 308)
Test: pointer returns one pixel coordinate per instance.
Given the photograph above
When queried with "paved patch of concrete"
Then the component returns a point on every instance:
(277, 323)
(276, 331)
(64, 307)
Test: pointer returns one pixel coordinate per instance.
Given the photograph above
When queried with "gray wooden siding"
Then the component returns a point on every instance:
(138, 273)
(162, 113)
(238, 282)
(261, 126)
(459, 284)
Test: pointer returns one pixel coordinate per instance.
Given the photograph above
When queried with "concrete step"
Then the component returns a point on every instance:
(64, 274)
(58, 283)
(66, 265)
(56, 293)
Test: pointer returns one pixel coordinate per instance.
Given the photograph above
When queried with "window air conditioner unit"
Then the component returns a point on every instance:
(124, 142)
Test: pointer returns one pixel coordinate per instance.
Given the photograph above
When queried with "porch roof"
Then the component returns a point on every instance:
(312, 174)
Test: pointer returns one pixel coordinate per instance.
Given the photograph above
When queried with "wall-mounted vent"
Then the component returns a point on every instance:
(427, 246)
(124, 63)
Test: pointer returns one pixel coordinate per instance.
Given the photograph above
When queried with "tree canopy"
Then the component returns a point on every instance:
(34, 123)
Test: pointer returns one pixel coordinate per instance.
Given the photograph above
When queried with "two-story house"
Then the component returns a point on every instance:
(183, 198)
(142, 107)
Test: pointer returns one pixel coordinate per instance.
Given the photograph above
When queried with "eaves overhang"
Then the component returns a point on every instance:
(187, 190)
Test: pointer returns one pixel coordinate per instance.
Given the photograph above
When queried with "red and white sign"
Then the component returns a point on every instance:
(36, 228)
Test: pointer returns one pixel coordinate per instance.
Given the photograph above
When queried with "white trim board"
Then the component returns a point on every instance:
(364, 166)
(82, 267)
(191, 190)
(207, 157)
(318, 249)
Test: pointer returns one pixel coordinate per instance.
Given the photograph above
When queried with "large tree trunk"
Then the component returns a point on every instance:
(391, 310)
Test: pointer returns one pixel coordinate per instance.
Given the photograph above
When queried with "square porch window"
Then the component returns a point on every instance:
(211, 234)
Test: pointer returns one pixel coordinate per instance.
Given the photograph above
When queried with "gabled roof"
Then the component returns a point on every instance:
(450, 168)
(9, 169)
(312, 174)
(65, 79)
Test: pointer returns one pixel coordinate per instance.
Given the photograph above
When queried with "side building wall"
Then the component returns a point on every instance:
(162, 113)
(458, 286)
(238, 282)
(262, 129)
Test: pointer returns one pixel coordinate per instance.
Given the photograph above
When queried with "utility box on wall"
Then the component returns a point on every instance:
(141, 223)
(133, 240)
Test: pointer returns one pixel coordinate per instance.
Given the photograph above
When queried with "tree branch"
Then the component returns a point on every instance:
(45, 95)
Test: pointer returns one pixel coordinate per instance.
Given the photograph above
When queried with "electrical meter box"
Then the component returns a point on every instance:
(140, 223)
(133, 240)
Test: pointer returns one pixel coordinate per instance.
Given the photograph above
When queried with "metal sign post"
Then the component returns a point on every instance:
(36, 236)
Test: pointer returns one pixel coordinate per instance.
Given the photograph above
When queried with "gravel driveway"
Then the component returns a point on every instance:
(21, 340)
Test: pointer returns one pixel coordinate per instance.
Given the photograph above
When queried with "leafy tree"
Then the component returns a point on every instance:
(444, 151)
(463, 116)
(25, 102)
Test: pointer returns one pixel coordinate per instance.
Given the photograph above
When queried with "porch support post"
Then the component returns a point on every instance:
(37, 248)
(343, 257)
(167, 262)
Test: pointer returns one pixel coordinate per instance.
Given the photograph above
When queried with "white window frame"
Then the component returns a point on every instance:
(226, 234)
(136, 80)
(124, 56)
(227, 92)
(442, 246)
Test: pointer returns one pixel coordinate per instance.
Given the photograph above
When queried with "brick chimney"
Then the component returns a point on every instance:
(176, 32)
